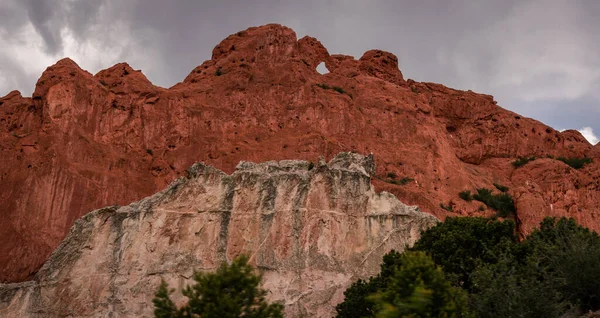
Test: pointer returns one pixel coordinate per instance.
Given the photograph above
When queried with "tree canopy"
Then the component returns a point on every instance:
(553, 272)
(232, 291)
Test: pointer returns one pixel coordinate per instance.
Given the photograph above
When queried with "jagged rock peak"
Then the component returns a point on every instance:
(348, 161)
(123, 78)
(12, 94)
(62, 71)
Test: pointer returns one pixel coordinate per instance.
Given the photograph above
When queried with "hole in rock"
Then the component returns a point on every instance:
(322, 69)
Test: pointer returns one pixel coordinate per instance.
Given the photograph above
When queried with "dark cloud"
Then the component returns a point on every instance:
(538, 57)
(41, 15)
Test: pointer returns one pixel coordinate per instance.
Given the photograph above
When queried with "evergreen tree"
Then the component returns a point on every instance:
(356, 302)
(233, 291)
(418, 289)
(460, 244)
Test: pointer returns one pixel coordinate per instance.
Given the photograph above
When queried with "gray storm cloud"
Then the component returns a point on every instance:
(537, 57)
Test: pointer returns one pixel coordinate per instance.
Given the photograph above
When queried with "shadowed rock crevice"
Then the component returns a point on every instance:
(312, 231)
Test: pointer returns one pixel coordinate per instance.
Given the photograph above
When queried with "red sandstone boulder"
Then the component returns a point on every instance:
(85, 141)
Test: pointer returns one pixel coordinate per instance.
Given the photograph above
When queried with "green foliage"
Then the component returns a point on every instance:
(501, 188)
(569, 254)
(503, 202)
(555, 272)
(391, 178)
(446, 207)
(219, 72)
(522, 161)
(466, 195)
(575, 163)
(356, 298)
(335, 88)
(414, 89)
(233, 291)
(311, 166)
(402, 181)
(509, 288)
(149, 151)
(418, 288)
(164, 306)
(339, 90)
(460, 244)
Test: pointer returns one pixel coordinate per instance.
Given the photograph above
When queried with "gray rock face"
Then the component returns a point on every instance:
(311, 230)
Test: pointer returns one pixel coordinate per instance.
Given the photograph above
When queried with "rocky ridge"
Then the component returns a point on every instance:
(311, 229)
(85, 141)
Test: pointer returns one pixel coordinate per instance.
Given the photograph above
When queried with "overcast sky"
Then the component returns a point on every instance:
(540, 58)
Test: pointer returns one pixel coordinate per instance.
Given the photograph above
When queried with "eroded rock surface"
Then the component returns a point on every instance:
(311, 228)
(85, 141)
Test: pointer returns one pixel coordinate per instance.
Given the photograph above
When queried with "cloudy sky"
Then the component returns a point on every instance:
(540, 58)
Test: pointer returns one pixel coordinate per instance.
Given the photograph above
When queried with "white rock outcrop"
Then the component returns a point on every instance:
(311, 229)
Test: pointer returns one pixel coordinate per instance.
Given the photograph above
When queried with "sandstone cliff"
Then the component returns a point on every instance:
(85, 141)
(312, 230)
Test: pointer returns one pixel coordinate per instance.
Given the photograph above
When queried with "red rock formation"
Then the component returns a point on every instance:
(85, 141)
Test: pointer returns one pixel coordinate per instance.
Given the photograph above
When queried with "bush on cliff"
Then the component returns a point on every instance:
(233, 291)
(521, 161)
(502, 202)
(575, 163)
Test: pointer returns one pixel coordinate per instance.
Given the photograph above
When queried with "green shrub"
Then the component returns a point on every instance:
(575, 163)
(503, 202)
(149, 151)
(446, 207)
(219, 72)
(311, 166)
(500, 187)
(406, 180)
(339, 90)
(335, 88)
(522, 161)
(484, 195)
(402, 181)
(466, 195)
(391, 175)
